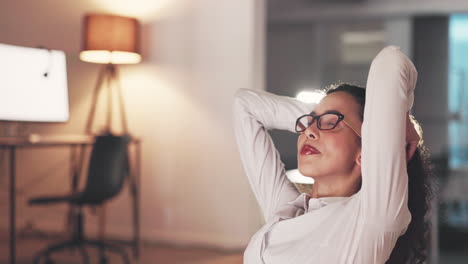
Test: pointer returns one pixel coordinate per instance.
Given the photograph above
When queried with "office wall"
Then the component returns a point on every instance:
(196, 54)
(295, 11)
(432, 93)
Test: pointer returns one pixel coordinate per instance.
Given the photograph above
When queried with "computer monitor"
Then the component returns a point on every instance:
(33, 84)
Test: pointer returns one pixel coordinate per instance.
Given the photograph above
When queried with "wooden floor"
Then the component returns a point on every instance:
(154, 254)
(150, 254)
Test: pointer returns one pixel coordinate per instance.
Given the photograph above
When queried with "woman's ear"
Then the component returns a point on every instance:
(358, 160)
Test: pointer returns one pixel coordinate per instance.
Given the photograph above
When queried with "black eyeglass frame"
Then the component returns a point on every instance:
(317, 118)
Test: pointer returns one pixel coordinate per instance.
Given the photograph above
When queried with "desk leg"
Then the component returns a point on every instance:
(12, 206)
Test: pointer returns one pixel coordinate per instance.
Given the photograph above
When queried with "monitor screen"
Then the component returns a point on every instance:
(33, 84)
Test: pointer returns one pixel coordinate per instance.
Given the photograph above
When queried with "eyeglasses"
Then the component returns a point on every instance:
(325, 121)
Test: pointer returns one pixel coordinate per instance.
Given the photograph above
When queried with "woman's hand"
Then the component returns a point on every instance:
(412, 138)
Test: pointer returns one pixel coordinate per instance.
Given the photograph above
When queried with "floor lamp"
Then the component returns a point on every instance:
(110, 40)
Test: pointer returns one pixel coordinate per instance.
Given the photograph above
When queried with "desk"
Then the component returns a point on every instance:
(12, 143)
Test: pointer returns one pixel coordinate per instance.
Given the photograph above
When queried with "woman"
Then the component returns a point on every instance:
(359, 206)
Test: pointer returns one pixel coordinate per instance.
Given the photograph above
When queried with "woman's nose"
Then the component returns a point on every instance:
(312, 131)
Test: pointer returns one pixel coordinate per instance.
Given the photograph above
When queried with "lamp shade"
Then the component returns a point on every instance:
(110, 39)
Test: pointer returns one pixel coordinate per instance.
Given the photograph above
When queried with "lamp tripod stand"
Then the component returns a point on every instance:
(107, 79)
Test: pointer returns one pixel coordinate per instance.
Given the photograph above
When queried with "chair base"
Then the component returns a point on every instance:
(80, 244)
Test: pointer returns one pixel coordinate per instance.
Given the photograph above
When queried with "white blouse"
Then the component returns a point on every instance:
(362, 228)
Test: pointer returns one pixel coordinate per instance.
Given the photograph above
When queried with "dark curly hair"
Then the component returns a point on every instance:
(412, 247)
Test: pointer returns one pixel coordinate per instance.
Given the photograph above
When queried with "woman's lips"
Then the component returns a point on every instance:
(309, 150)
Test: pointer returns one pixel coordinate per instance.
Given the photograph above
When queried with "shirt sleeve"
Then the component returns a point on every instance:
(389, 97)
(254, 112)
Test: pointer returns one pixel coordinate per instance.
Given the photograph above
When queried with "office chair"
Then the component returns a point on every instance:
(108, 167)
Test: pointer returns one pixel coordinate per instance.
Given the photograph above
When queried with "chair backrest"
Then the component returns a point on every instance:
(108, 167)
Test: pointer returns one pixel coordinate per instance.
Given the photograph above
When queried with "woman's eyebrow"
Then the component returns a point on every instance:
(326, 112)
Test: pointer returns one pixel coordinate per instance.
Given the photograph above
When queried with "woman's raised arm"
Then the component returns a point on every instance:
(255, 112)
(389, 97)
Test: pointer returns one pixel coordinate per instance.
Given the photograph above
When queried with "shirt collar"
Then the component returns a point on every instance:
(304, 203)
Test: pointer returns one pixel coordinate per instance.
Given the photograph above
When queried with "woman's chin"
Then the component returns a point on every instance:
(308, 171)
